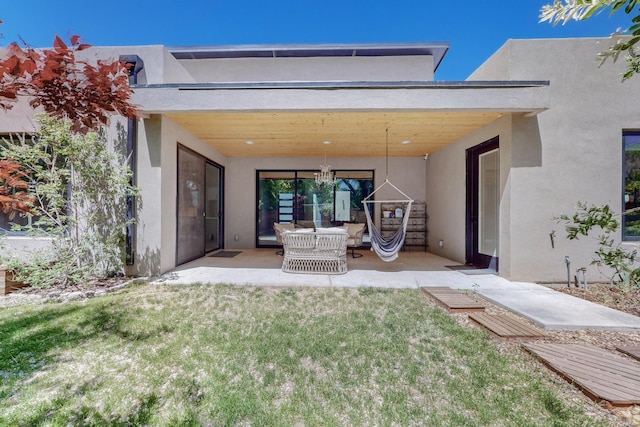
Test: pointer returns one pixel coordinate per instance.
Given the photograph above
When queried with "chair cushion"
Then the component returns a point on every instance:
(332, 230)
(279, 229)
(278, 226)
(306, 224)
(354, 229)
(356, 232)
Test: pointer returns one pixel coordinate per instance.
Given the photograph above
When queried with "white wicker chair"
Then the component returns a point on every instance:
(356, 234)
(279, 228)
(322, 252)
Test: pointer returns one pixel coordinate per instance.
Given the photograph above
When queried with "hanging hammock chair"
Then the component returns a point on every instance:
(387, 248)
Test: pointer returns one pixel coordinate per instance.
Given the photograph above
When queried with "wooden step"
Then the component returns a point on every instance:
(451, 300)
(507, 327)
(602, 375)
(630, 350)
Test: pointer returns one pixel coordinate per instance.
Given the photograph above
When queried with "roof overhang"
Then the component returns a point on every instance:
(294, 119)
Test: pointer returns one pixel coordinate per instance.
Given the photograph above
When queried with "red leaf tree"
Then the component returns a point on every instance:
(13, 197)
(65, 88)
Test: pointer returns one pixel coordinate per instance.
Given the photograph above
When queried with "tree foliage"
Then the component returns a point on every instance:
(64, 86)
(620, 261)
(80, 185)
(65, 175)
(562, 11)
(14, 198)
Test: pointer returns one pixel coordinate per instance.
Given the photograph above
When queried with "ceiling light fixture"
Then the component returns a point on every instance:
(325, 176)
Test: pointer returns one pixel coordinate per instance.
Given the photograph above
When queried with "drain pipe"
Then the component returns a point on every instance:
(134, 65)
(568, 262)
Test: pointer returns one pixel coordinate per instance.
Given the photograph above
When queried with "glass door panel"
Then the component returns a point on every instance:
(213, 208)
(190, 206)
(275, 203)
(355, 186)
(488, 199)
(294, 197)
(314, 203)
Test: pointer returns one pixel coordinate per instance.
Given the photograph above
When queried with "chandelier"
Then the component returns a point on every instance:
(325, 176)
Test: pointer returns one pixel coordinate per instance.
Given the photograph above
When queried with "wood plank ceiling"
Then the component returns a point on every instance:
(352, 134)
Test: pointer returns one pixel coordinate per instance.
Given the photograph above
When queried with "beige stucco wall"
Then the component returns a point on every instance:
(161, 67)
(18, 119)
(495, 67)
(159, 64)
(446, 193)
(396, 68)
(158, 139)
(570, 153)
(21, 247)
(431, 98)
(581, 156)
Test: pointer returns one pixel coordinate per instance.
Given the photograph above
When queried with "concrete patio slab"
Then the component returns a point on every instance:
(551, 309)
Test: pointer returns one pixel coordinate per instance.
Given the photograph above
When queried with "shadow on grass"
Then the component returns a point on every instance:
(140, 415)
(26, 340)
(33, 341)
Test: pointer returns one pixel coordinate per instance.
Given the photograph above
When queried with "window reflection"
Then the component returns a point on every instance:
(294, 197)
(631, 201)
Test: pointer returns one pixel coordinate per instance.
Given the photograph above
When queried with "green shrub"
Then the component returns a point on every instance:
(621, 261)
(80, 184)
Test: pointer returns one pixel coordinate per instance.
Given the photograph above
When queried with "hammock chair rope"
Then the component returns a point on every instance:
(387, 248)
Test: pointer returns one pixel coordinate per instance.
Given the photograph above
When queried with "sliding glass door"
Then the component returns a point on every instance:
(199, 206)
(314, 202)
(275, 191)
(294, 197)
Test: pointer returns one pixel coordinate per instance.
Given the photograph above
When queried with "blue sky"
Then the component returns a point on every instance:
(474, 29)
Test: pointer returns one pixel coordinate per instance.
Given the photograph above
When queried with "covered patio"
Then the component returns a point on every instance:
(390, 139)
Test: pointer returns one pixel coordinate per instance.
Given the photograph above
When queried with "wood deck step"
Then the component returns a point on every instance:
(506, 327)
(632, 350)
(452, 300)
(602, 375)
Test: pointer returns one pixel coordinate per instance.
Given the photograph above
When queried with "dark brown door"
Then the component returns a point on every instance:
(483, 204)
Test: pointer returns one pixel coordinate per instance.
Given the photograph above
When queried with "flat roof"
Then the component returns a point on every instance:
(435, 49)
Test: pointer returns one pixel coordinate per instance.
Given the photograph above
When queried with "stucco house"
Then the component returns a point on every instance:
(223, 130)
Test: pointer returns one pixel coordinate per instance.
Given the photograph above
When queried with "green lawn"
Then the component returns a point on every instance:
(203, 355)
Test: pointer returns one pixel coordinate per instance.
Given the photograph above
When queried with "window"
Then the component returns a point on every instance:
(631, 174)
(6, 224)
(294, 197)
(18, 219)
